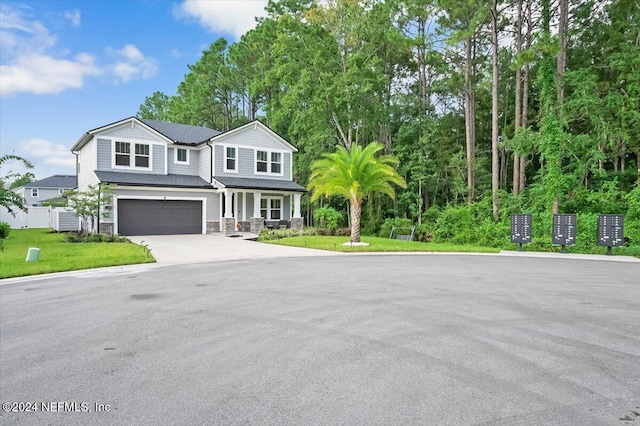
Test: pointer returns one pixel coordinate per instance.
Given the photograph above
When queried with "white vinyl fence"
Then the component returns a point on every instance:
(57, 218)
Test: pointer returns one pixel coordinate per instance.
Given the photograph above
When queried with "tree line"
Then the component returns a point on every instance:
(514, 104)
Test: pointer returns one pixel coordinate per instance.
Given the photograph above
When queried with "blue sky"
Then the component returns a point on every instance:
(67, 67)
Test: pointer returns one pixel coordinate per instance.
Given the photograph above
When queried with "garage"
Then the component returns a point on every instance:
(159, 217)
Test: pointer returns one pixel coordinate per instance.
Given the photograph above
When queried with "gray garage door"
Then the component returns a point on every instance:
(159, 217)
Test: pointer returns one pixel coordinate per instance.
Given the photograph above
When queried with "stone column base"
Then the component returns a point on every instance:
(106, 228)
(257, 223)
(297, 223)
(228, 225)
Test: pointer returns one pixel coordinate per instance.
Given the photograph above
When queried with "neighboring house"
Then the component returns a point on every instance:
(47, 189)
(180, 179)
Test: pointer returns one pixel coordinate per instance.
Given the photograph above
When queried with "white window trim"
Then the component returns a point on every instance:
(175, 156)
(269, 209)
(61, 191)
(37, 192)
(269, 162)
(224, 157)
(132, 154)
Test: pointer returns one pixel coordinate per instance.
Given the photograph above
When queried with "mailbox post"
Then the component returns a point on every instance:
(520, 229)
(610, 231)
(564, 230)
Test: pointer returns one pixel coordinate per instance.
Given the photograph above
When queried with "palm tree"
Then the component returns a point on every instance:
(354, 174)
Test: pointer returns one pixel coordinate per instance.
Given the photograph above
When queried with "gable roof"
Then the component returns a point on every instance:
(256, 125)
(55, 181)
(184, 134)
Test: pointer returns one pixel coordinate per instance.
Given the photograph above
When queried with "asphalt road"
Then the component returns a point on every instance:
(362, 340)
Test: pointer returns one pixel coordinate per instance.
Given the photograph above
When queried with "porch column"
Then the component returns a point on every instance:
(257, 222)
(228, 204)
(296, 220)
(296, 205)
(228, 222)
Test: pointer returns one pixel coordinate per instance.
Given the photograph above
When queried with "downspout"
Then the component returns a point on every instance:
(210, 164)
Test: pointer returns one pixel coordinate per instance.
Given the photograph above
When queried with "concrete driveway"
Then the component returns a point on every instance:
(172, 249)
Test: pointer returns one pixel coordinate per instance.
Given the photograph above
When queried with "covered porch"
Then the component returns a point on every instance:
(249, 205)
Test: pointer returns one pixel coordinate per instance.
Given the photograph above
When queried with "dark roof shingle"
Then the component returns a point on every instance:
(254, 183)
(182, 133)
(145, 179)
(55, 181)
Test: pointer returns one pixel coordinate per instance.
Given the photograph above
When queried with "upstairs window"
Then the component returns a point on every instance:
(123, 154)
(60, 191)
(182, 155)
(34, 192)
(276, 162)
(142, 155)
(262, 161)
(230, 159)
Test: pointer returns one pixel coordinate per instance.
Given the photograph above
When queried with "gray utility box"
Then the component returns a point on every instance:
(564, 229)
(611, 230)
(521, 228)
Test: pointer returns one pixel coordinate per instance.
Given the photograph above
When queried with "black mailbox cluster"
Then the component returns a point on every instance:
(610, 230)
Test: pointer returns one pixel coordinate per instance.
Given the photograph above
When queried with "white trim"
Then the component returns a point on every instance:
(132, 153)
(224, 158)
(154, 197)
(244, 206)
(269, 162)
(269, 209)
(37, 192)
(175, 156)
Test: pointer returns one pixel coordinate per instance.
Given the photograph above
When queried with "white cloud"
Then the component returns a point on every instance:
(44, 152)
(234, 17)
(131, 62)
(28, 66)
(73, 16)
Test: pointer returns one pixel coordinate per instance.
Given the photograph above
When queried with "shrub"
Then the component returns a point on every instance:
(5, 229)
(75, 237)
(327, 217)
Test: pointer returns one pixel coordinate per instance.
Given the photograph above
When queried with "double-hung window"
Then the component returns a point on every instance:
(230, 159)
(34, 192)
(262, 158)
(276, 162)
(142, 155)
(269, 162)
(271, 208)
(123, 154)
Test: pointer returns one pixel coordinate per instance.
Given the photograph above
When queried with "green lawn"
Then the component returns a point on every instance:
(377, 244)
(57, 255)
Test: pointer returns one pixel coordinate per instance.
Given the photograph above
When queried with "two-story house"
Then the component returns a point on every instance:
(179, 179)
(47, 189)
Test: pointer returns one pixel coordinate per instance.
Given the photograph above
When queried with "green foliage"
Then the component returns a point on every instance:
(89, 204)
(327, 217)
(354, 174)
(5, 229)
(77, 237)
(9, 199)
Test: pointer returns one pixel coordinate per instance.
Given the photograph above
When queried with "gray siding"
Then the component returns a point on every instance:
(104, 154)
(43, 195)
(247, 164)
(68, 221)
(183, 169)
(127, 132)
(213, 199)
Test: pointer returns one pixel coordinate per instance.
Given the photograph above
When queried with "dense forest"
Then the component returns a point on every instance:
(492, 107)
